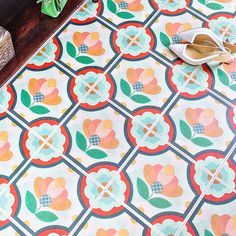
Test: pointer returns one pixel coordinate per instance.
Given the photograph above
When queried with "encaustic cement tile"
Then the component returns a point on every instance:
(100, 137)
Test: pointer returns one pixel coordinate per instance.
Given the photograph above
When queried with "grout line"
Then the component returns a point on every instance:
(205, 190)
(140, 123)
(13, 221)
(42, 45)
(95, 85)
(163, 60)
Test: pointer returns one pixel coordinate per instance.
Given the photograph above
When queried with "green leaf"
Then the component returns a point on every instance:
(125, 87)
(125, 15)
(202, 1)
(142, 189)
(111, 6)
(25, 98)
(159, 203)
(30, 202)
(81, 141)
(208, 233)
(140, 98)
(71, 50)
(46, 216)
(84, 59)
(185, 129)
(39, 110)
(202, 142)
(96, 154)
(214, 6)
(233, 87)
(165, 39)
(223, 77)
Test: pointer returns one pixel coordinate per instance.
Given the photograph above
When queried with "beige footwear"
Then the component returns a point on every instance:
(199, 54)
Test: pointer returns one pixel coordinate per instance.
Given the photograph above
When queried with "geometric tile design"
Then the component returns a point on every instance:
(105, 132)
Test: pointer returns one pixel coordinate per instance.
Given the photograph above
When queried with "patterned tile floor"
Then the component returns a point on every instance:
(105, 132)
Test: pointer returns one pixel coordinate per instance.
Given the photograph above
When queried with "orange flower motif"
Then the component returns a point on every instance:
(175, 28)
(88, 43)
(231, 69)
(143, 80)
(100, 132)
(5, 153)
(112, 232)
(203, 121)
(162, 180)
(223, 225)
(52, 193)
(131, 5)
(44, 91)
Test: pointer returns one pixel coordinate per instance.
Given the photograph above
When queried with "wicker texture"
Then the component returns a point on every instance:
(6, 47)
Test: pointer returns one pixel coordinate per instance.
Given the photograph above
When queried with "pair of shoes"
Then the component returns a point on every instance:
(200, 45)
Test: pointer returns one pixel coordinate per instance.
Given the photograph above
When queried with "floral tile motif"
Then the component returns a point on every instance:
(41, 91)
(83, 45)
(138, 83)
(105, 132)
(201, 125)
(48, 198)
(159, 184)
(216, 219)
(167, 26)
(97, 137)
(118, 11)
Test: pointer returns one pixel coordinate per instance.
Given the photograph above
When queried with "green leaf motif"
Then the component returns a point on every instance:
(30, 202)
(185, 129)
(223, 77)
(111, 6)
(40, 110)
(81, 141)
(214, 6)
(233, 87)
(25, 98)
(84, 59)
(202, 1)
(125, 15)
(140, 98)
(142, 189)
(160, 203)
(71, 50)
(96, 154)
(125, 87)
(165, 39)
(46, 216)
(208, 233)
(202, 142)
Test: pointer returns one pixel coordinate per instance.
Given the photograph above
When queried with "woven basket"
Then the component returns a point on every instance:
(6, 47)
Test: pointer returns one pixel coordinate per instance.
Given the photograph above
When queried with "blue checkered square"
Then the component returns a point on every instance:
(138, 87)
(45, 200)
(233, 76)
(94, 140)
(157, 187)
(38, 97)
(123, 5)
(198, 128)
(83, 48)
(176, 39)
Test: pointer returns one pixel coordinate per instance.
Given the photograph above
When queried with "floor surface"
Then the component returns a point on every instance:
(105, 132)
